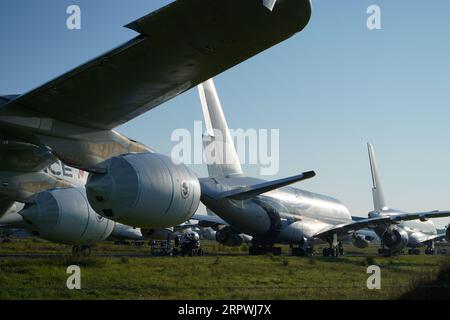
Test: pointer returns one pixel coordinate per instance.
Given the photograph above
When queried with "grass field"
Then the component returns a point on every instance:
(225, 273)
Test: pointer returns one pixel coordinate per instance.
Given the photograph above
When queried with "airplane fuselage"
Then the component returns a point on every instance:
(286, 215)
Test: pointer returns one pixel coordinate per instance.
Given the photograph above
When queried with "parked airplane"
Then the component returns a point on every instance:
(271, 212)
(415, 233)
(72, 119)
(365, 237)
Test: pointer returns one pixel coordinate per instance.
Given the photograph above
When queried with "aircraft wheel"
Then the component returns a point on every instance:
(86, 251)
(75, 250)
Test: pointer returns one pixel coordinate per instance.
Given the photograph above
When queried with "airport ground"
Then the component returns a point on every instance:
(32, 268)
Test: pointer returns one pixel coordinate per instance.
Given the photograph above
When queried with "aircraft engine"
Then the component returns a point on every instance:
(144, 190)
(447, 233)
(228, 238)
(396, 240)
(359, 241)
(65, 216)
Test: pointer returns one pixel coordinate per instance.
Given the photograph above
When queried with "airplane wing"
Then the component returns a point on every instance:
(204, 221)
(372, 223)
(178, 47)
(208, 220)
(255, 190)
(437, 237)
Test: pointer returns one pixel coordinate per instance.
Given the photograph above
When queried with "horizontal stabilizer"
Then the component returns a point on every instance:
(255, 190)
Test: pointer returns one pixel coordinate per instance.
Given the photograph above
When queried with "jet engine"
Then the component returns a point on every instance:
(65, 216)
(396, 240)
(359, 241)
(447, 233)
(227, 237)
(144, 190)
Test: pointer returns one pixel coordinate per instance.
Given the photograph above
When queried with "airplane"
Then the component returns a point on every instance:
(415, 233)
(270, 211)
(363, 238)
(72, 119)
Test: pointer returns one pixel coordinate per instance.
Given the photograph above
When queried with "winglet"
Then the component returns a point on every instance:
(377, 192)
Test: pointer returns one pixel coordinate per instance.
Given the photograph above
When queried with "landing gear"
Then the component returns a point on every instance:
(83, 251)
(430, 248)
(384, 252)
(257, 250)
(332, 252)
(335, 248)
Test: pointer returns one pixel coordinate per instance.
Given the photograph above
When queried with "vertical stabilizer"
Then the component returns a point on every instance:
(220, 152)
(377, 192)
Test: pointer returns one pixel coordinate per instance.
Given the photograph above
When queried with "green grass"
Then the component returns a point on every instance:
(235, 276)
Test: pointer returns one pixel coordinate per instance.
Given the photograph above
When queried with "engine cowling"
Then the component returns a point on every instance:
(227, 237)
(144, 190)
(359, 241)
(396, 240)
(65, 216)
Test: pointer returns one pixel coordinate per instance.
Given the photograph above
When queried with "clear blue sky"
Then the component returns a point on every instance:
(329, 90)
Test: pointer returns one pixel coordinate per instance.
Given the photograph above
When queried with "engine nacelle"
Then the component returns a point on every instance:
(359, 241)
(65, 216)
(144, 190)
(396, 239)
(227, 237)
(447, 233)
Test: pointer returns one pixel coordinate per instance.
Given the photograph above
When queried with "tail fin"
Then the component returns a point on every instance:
(219, 148)
(377, 192)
